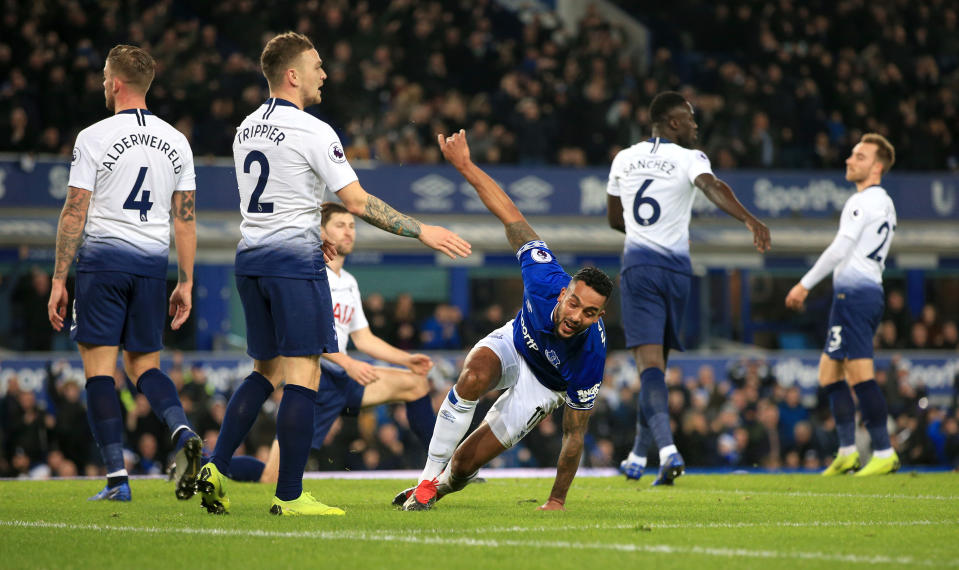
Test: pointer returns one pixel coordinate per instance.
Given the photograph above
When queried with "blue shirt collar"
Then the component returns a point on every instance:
(661, 140)
(134, 111)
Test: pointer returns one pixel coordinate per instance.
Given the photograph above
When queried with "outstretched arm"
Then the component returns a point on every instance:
(184, 234)
(721, 194)
(457, 151)
(574, 429)
(380, 214)
(69, 235)
(372, 345)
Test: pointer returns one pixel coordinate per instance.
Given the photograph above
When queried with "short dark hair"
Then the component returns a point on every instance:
(596, 279)
(664, 103)
(885, 152)
(280, 53)
(133, 65)
(330, 208)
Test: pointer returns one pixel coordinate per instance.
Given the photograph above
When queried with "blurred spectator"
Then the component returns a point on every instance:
(442, 330)
(30, 306)
(408, 71)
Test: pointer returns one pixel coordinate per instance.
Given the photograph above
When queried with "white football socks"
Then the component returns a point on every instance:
(633, 458)
(883, 453)
(665, 452)
(452, 422)
(846, 450)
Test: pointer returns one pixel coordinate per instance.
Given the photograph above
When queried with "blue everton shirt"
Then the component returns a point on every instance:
(575, 364)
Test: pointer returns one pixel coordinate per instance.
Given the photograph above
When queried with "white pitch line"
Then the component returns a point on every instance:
(836, 495)
(652, 525)
(389, 536)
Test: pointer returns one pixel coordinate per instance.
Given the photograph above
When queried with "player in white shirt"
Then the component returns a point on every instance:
(651, 189)
(129, 172)
(285, 160)
(856, 258)
(346, 384)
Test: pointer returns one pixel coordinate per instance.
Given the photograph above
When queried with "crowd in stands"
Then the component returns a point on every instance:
(776, 84)
(736, 418)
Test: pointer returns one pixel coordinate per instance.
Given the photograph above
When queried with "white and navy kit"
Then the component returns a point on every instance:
(285, 160)
(654, 179)
(132, 162)
(539, 369)
(338, 394)
(869, 220)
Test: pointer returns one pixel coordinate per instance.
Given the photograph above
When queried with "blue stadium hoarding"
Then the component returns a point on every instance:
(936, 373)
(540, 191)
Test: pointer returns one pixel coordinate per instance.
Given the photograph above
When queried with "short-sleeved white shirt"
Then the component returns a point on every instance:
(869, 219)
(285, 160)
(654, 179)
(132, 162)
(348, 315)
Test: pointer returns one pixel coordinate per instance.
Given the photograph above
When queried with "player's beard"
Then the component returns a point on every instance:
(111, 102)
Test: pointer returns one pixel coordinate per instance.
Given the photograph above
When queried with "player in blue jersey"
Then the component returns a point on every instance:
(856, 258)
(651, 189)
(285, 160)
(552, 352)
(129, 172)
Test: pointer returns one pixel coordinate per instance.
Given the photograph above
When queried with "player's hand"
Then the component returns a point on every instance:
(761, 237)
(552, 504)
(455, 148)
(419, 364)
(796, 297)
(329, 251)
(441, 239)
(181, 302)
(363, 372)
(57, 305)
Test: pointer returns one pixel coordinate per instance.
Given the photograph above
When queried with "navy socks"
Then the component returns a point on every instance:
(644, 435)
(240, 414)
(653, 402)
(420, 415)
(106, 422)
(843, 411)
(875, 412)
(245, 468)
(161, 393)
(294, 421)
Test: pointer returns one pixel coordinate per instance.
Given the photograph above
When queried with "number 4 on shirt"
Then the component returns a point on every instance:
(143, 205)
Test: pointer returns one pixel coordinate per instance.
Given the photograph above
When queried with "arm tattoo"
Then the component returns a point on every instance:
(519, 233)
(184, 208)
(383, 216)
(70, 230)
(182, 276)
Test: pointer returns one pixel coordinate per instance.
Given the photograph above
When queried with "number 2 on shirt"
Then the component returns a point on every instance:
(640, 200)
(257, 207)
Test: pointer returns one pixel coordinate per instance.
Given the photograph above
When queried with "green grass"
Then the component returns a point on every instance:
(705, 521)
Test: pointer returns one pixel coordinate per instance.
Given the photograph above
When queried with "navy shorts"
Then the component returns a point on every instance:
(113, 308)
(287, 317)
(654, 301)
(337, 395)
(853, 320)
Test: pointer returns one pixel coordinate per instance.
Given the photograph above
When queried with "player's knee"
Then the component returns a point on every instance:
(418, 388)
(473, 383)
(461, 465)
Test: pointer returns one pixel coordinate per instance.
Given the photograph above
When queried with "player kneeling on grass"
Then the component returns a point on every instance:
(554, 350)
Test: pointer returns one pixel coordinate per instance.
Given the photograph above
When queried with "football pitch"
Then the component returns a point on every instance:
(741, 521)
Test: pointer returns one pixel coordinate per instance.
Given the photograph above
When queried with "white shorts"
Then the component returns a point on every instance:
(526, 402)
